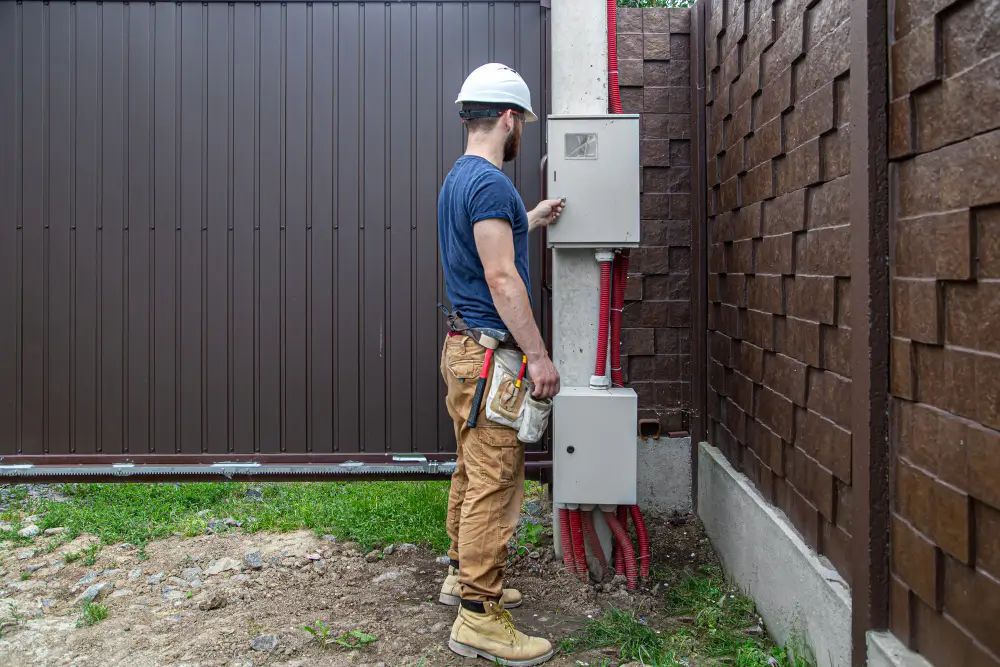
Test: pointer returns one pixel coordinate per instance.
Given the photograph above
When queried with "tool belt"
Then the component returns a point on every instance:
(456, 326)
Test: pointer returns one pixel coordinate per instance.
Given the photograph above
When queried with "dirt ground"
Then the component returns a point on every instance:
(168, 606)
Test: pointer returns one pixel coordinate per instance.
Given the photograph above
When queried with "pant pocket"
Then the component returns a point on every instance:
(498, 453)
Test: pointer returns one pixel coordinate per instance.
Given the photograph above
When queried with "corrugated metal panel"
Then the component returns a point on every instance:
(218, 221)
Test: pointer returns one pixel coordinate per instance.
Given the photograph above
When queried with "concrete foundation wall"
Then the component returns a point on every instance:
(802, 599)
(885, 650)
(665, 475)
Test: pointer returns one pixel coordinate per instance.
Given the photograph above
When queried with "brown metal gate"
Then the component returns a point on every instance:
(218, 230)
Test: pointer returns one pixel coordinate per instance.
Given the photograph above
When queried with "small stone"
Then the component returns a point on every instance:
(216, 601)
(135, 575)
(372, 557)
(533, 507)
(96, 592)
(88, 579)
(203, 513)
(25, 555)
(389, 550)
(438, 627)
(443, 560)
(320, 566)
(171, 593)
(330, 538)
(387, 576)
(535, 555)
(195, 583)
(232, 523)
(190, 573)
(124, 592)
(406, 548)
(6, 527)
(55, 531)
(34, 568)
(255, 495)
(265, 643)
(30, 530)
(125, 546)
(240, 577)
(253, 560)
(156, 579)
(224, 564)
(177, 582)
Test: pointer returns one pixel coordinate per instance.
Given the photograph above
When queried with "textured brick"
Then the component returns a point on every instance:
(630, 47)
(935, 246)
(761, 35)
(914, 61)
(988, 539)
(837, 547)
(964, 174)
(751, 361)
(656, 46)
(836, 349)
(729, 194)
(798, 168)
(824, 62)
(632, 100)
(776, 412)
(775, 254)
(984, 450)
(674, 287)
(646, 314)
(628, 20)
(916, 310)
(914, 560)
(656, 100)
(811, 298)
(777, 96)
(901, 369)
(665, 126)
(934, 440)
(735, 31)
(654, 153)
(758, 184)
(804, 516)
(666, 232)
(769, 448)
(637, 341)
(830, 396)
(666, 179)
(824, 251)
(765, 144)
(901, 127)
(730, 321)
(732, 162)
(973, 599)
(836, 150)
(786, 376)
(810, 117)
(680, 260)
(811, 480)
(680, 152)
(787, 48)
(845, 507)
(748, 85)
(633, 287)
(785, 214)
(680, 46)
(746, 222)
(671, 341)
(764, 293)
(826, 442)
(844, 303)
(914, 497)
(942, 642)
(720, 348)
(657, 367)
(934, 127)
(798, 339)
(829, 204)
(717, 378)
(899, 610)
(741, 390)
(937, 510)
(676, 73)
(760, 329)
(961, 382)
(630, 73)
(741, 257)
(717, 257)
(655, 19)
(651, 260)
(824, 17)
(972, 315)
(987, 226)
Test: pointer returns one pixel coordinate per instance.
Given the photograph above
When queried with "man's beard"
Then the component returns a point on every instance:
(512, 144)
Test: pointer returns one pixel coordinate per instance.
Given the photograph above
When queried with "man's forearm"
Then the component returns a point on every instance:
(511, 300)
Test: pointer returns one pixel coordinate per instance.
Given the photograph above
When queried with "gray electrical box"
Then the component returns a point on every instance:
(594, 448)
(594, 163)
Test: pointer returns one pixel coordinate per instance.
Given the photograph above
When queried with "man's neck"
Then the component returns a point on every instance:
(481, 146)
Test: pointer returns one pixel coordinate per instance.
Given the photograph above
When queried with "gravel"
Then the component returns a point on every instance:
(265, 643)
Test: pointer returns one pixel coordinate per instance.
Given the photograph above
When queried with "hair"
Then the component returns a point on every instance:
(486, 124)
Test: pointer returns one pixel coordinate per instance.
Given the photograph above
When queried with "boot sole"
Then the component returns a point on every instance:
(454, 601)
(472, 652)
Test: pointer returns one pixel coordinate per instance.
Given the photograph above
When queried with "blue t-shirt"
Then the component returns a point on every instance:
(476, 190)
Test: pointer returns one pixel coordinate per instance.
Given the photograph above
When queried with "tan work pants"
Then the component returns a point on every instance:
(487, 488)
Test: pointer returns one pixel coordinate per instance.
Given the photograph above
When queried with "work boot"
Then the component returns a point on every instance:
(451, 592)
(491, 635)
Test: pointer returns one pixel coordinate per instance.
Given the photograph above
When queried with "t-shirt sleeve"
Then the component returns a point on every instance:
(492, 196)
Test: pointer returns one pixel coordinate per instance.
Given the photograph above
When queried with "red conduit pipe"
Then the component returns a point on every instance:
(619, 281)
(624, 548)
(614, 93)
(579, 551)
(643, 537)
(567, 539)
(593, 541)
(619, 556)
(601, 364)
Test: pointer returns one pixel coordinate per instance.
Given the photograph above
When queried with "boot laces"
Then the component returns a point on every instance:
(504, 618)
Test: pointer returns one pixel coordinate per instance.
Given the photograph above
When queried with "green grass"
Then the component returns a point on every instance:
(709, 624)
(93, 614)
(367, 512)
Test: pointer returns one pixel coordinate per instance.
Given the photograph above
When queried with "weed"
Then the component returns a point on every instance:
(93, 613)
(634, 640)
(355, 639)
(90, 554)
(72, 557)
(25, 575)
(319, 630)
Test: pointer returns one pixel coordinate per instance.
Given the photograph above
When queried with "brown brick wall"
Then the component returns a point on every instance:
(778, 135)
(945, 323)
(655, 74)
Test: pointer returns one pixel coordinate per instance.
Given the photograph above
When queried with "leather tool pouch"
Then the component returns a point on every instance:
(515, 407)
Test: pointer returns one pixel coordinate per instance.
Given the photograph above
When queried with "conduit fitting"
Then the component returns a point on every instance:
(604, 255)
(600, 382)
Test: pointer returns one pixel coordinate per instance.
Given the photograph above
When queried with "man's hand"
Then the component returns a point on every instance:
(547, 212)
(543, 373)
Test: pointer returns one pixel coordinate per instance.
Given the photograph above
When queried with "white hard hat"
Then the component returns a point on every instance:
(494, 83)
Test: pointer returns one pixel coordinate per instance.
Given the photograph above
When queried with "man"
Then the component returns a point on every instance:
(483, 231)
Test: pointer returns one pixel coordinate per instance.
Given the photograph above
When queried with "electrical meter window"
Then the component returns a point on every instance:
(581, 146)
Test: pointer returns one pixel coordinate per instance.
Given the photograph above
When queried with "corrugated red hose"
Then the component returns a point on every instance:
(624, 548)
(643, 536)
(614, 93)
(601, 364)
(619, 280)
(593, 541)
(579, 551)
(566, 538)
